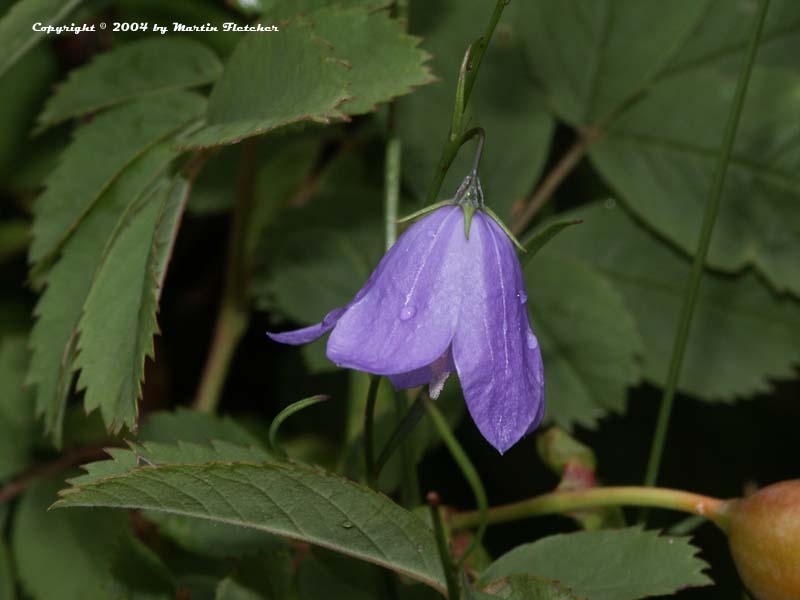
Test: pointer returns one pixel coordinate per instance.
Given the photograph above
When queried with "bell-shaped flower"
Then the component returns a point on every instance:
(447, 297)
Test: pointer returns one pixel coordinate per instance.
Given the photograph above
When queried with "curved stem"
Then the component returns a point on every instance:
(693, 283)
(469, 472)
(712, 509)
(285, 414)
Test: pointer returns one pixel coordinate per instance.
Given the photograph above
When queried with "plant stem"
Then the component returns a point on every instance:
(394, 151)
(369, 429)
(466, 81)
(410, 484)
(693, 282)
(453, 591)
(552, 503)
(401, 432)
(234, 314)
(285, 414)
(554, 178)
(469, 472)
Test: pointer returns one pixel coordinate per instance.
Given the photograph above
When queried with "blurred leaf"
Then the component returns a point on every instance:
(504, 102)
(99, 152)
(661, 158)
(270, 81)
(214, 188)
(324, 575)
(733, 314)
(230, 589)
(22, 90)
(18, 431)
(384, 61)
(283, 9)
(265, 577)
(588, 338)
(16, 27)
(69, 282)
(75, 555)
(7, 591)
(624, 564)
(525, 587)
(271, 497)
(126, 72)
(14, 237)
(615, 49)
(137, 260)
(192, 426)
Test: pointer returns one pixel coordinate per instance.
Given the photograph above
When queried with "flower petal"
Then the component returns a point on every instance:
(310, 333)
(435, 374)
(496, 354)
(407, 318)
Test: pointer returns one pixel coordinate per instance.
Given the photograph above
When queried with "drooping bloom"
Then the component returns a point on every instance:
(440, 301)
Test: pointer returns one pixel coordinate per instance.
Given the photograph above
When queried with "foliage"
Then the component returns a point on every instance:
(165, 199)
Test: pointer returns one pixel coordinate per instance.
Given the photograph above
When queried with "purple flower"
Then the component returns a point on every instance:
(440, 302)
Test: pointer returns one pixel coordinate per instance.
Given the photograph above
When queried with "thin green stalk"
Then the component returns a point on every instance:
(401, 432)
(234, 313)
(285, 414)
(369, 428)
(469, 472)
(553, 503)
(410, 481)
(453, 591)
(693, 284)
(466, 81)
(394, 150)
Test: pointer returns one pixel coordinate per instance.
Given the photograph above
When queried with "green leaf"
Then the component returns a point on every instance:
(733, 314)
(384, 61)
(265, 577)
(69, 282)
(81, 554)
(660, 157)
(137, 263)
(16, 27)
(192, 426)
(504, 102)
(525, 587)
(127, 72)
(98, 154)
(284, 9)
(271, 497)
(18, 431)
(588, 337)
(624, 564)
(7, 591)
(273, 80)
(615, 49)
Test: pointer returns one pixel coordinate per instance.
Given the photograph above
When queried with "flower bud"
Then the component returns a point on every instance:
(764, 536)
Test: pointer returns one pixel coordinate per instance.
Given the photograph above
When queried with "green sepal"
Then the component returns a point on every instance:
(537, 240)
(424, 211)
(507, 231)
(469, 212)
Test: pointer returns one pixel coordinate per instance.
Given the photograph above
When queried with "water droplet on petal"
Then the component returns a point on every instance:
(533, 343)
(347, 525)
(407, 312)
(523, 297)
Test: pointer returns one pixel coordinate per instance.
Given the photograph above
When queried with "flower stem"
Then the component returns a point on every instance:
(394, 151)
(285, 414)
(234, 314)
(466, 81)
(469, 472)
(401, 432)
(552, 503)
(453, 591)
(693, 283)
(369, 429)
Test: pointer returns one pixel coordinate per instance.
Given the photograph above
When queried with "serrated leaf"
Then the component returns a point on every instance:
(18, 430)
(504, 102)
(137, 263)
(661, 156)
(732, 316)
(616, 48)
(272, 80)
(384, 61)
(69, 281)
(99, 152)
(624, 564)
(16, 27)
(285, 499)
(126, 72)
(526, 587)
(77, 555)
(590, 345)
